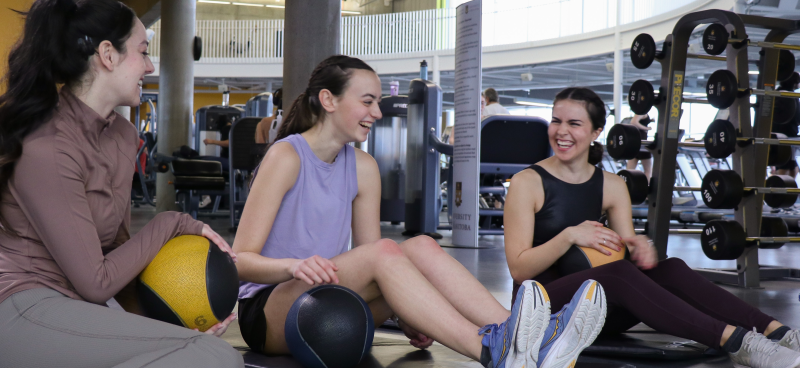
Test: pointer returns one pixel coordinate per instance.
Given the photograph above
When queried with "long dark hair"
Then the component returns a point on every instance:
(59, 38)
(332, 74)
(596, 110)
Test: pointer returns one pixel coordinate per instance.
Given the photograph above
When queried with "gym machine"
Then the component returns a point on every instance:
(387, 144)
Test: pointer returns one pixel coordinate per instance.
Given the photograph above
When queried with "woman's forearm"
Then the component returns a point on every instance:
(256, 268)
(536, 260)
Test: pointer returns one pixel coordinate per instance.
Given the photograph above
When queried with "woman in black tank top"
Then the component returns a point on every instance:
(557, 203)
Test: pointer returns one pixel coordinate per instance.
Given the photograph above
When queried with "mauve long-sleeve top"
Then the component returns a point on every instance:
(69, 200)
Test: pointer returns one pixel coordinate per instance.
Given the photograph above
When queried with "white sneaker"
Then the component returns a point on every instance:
(791, 340)
(205, 201)
(758, 351)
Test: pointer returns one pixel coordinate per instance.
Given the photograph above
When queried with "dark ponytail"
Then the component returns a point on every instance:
(59, 38)
(596, 110)
(332, 74)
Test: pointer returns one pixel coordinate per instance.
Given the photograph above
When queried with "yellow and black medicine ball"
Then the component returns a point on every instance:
(190, 283)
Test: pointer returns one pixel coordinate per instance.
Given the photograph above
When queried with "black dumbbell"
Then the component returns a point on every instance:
(722, 239)
(716, 38)
(642, 97)
(721, 139)
(643, 52)
(624, 142)
(725, 189)
(722, 90)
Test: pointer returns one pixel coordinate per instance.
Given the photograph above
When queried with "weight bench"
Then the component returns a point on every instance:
(195, 178)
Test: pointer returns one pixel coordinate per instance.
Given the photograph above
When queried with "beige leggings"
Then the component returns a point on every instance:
(44, 328)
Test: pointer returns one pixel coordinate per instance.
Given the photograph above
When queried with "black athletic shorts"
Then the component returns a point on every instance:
(252, 321)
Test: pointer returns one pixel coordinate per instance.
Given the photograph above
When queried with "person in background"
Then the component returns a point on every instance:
(265, 125)
(492, 105)
(641, 122)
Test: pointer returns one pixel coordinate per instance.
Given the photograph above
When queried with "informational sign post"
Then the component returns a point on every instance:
(467, 129)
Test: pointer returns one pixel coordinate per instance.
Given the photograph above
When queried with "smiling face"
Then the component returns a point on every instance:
(571, 131)
(356, 109)
(133, 66)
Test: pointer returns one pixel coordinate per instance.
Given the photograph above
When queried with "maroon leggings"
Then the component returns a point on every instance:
(670, 298)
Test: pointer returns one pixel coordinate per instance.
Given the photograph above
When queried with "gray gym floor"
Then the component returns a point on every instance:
(391, 349)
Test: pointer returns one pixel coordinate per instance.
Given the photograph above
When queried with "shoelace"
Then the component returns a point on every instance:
(763, 345)
(793, 337)
(489, 328)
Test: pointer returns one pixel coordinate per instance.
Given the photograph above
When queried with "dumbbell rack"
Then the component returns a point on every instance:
(749, 161)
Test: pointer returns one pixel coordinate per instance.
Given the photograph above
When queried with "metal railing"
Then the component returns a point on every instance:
(504, 22)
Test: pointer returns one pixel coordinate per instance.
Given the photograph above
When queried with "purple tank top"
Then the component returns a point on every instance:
(315, 214)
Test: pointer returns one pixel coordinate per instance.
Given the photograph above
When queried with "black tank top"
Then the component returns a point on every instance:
(565, 205)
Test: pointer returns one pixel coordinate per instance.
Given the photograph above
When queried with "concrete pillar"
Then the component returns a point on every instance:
(311, 34)
(175, 88)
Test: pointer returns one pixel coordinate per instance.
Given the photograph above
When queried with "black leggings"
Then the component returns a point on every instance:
(670, 298)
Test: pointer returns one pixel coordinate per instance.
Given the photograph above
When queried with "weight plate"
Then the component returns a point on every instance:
(786, 65)
(779, 155)
(637, 184)
(784, 110)
(722, 88)
(722, 189)
(723, 239)
(775, 200)
(643, 51)
(641, 97)
(720, 139)
(197, 48)
(623, 141)
(773, 227)
(715, 39)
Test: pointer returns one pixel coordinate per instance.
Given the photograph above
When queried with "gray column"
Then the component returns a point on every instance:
(311, 34)
(175, 88)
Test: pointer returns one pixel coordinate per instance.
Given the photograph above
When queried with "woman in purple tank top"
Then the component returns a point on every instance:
(313, 192)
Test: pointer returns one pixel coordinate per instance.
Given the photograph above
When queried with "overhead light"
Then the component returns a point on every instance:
(350, 12)
(275, 6)
(753, 72)
(520, 101)
(214, 2)
(248, 4)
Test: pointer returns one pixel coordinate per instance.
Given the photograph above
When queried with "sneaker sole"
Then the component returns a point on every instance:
(584, 326)
(530, 339)
(524, 324)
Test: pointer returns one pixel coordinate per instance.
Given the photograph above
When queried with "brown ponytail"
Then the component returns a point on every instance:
(332, 74)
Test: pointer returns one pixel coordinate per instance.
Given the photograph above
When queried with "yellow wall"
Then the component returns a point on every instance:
(10, 30)
(200, 100)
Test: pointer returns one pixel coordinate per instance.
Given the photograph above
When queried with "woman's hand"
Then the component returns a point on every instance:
(643, 253)
(592, 234)
(418, 340)
(315, 271)
(217, 239)
(219, 329)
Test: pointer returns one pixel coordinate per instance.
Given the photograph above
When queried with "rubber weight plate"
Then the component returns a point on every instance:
(773, 227)
(722, 189)
(786, 65)
(623, 141)
(643, 51)
(776, 200)
(784, 110)
(637, 184)
(720, 139)
(641, 97)
(722, 89)
(715, 39)
(722, 239)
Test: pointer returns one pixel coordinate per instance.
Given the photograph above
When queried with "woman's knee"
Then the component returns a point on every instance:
(387, 248)
(672, 264)
(422, 244)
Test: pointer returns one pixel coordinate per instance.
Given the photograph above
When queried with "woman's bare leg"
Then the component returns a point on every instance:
(454, 282)
(381, 270)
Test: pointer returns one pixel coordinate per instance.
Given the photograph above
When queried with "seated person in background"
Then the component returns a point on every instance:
(492, 105)
(67, 162)
(265, 125)
(555, 205)
(641, 122)
(296, 227)
(790, 129)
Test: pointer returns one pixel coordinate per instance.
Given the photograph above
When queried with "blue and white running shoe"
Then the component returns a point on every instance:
(511, 344)
(574, 327)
